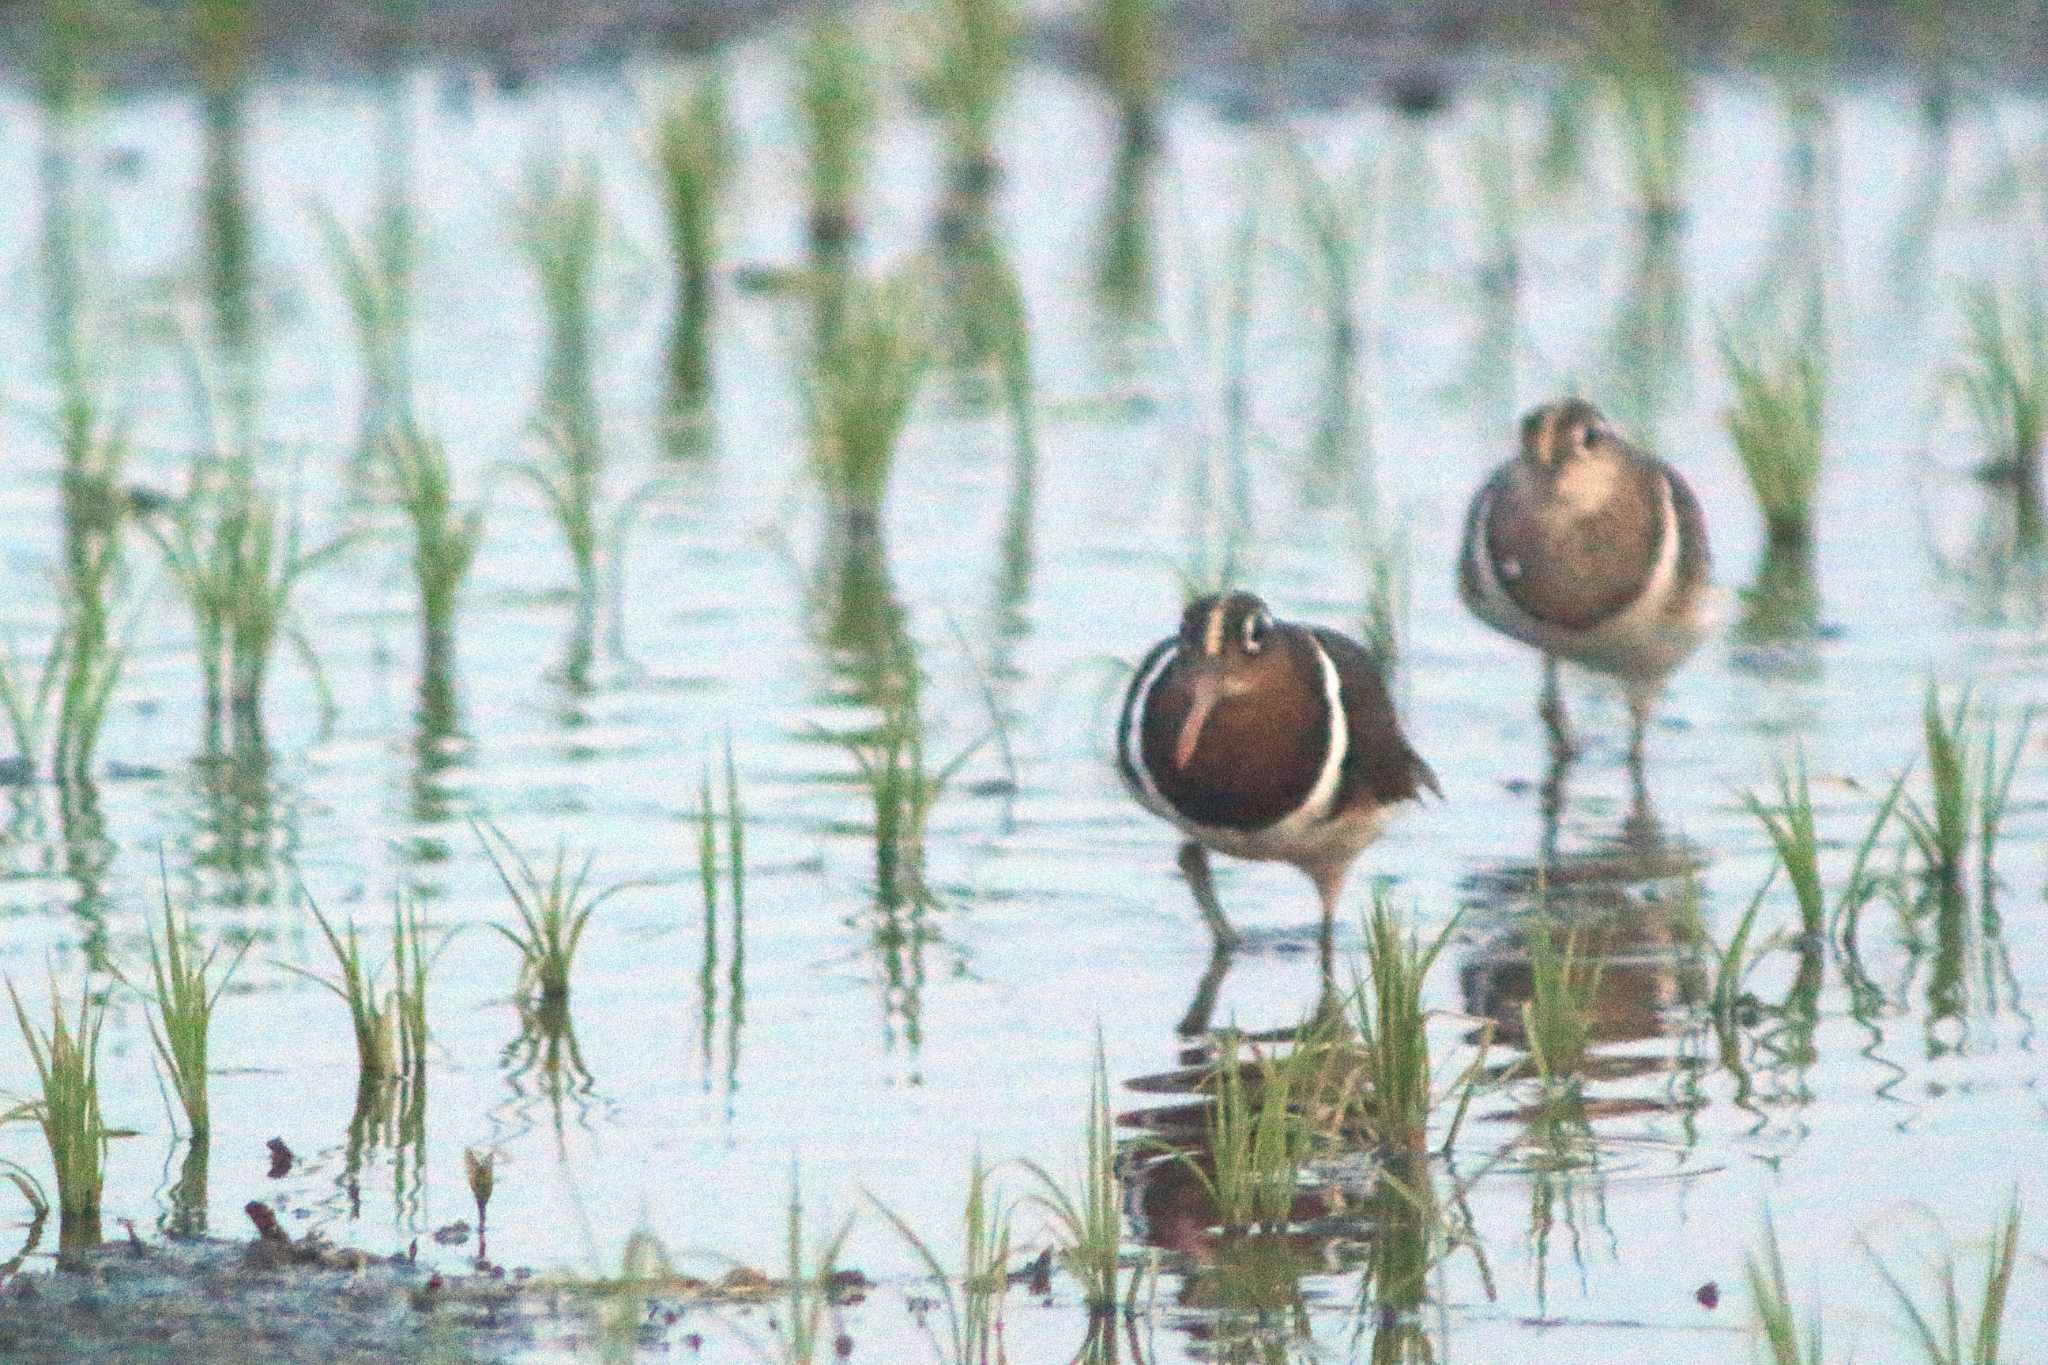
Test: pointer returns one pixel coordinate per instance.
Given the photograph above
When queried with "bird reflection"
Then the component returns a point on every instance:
(1618, 897)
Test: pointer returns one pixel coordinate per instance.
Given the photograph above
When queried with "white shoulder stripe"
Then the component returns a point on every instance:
(1134, 730)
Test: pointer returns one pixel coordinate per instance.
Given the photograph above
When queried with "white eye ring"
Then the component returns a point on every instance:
(1255, 627)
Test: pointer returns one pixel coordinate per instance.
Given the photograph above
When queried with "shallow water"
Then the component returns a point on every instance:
(879, 1051)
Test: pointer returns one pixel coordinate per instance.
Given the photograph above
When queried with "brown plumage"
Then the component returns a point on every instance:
(1267, 740)
(1591, 551)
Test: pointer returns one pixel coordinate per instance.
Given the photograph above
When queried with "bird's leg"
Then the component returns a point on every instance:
(1639, 702)
(1194, 865)
(1195, 1022)
(1551, 708)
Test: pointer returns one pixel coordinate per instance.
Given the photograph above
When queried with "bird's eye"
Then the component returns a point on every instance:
(1255, 632)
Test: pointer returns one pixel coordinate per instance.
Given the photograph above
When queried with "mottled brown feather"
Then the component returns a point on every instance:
(1577, 571)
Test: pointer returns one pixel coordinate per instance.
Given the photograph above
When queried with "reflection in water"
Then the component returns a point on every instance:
(441, 747)
(229, 243)
(245, 822)
(543, 1064)
(185, 1214)
(390, 1113)
(1620, 901)
(1649, 350)
(378, 275)
(1779, 628)
(1123, 263)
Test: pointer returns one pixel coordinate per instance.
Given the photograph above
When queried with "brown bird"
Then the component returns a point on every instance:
(1267, 740)
(1591, 551)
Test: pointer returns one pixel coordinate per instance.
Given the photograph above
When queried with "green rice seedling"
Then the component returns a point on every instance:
(1335, 235)
(1861, 885)
(694, 155)
(558, 223)
(903, 791)
(1257, 1144)
(860, 388)
(181, 1015)
(1392, 1031)
(376, 275)
(973, 46)
(1961, 804)
(1734, 961)
(371, 1015)
(1638, 51)
(807, 1292)
(237, 561)
(1939, 1331)
(62, 710)
(410, 965)
(1558, 1015)
(1790, 827)
(1785, 1341)
(837, 105)
(445, 535)
(1090, 1223)
(1130, 48)
(554, 910)
(974, 1315)
(67, 1062)
(1776, 425)
(2004, 378)
(708, 873)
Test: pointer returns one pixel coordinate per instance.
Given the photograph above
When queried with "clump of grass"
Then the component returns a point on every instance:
(1785, 1341)
(808, 1288)
(376, 277)
(1393, 1032)
(1129, 45)
(554, 910)
(2005, 379)
(973, 44)
(903, 790)
(861, 385)
(558, 223)
(237, 560)
(1939, 1330)
(1790, 826)
(694, 156)
(1090, 1225)
(1776, 425)
(1638, 51)
(67, 1062)
(355, 984)
(1557, 1017)
(77, 677)
(445, 535)
(1257, 1143)
(836, 100)
(181, 1015)
(974, 1316)
(1962, 805)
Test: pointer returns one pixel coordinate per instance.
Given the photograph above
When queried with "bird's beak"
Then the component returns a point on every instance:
(1208, 690)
